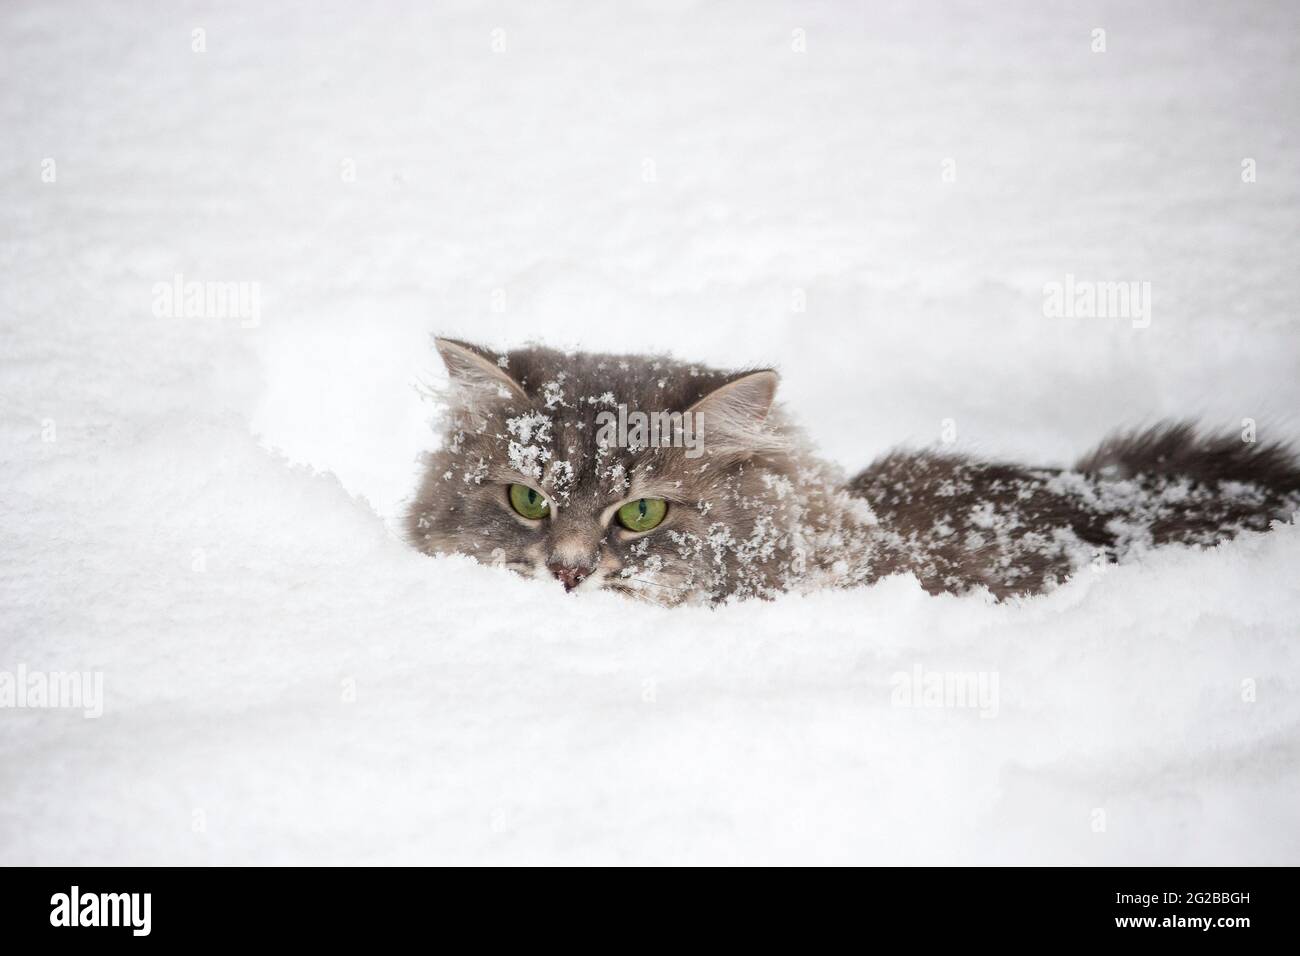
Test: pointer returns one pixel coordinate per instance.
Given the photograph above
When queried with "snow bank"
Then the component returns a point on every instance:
(285, 681)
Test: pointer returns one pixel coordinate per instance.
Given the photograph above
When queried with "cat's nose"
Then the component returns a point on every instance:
(568, 575)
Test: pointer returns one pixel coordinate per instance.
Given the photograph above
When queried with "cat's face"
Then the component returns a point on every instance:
(536, 475)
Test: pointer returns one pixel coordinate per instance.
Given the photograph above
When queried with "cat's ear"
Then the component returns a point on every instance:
(476, 373)
(734, 415)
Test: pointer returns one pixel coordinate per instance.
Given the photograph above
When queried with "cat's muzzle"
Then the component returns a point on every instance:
(568, 575)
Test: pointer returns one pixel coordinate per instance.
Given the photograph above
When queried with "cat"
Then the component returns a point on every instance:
(539, 472)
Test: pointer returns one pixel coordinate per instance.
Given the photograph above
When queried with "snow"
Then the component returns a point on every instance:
(204, 509)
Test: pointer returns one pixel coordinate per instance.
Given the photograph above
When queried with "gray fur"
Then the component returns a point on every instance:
(758, 514)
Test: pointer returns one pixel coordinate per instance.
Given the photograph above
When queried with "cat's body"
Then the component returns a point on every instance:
(757, 514)
(957, 522)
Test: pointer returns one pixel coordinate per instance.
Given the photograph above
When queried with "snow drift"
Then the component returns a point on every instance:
(202, 508)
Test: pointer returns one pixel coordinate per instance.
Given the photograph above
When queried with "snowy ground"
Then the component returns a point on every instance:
(285, 681)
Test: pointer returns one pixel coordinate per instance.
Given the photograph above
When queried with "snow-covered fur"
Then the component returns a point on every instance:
(758, 513)
(957, 522)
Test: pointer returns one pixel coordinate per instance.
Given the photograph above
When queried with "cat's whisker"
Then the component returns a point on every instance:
(669, 599)
(655, 584)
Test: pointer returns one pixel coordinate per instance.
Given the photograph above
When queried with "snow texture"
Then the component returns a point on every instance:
(203, 508)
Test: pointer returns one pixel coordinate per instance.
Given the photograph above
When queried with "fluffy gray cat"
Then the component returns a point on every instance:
(674, 482)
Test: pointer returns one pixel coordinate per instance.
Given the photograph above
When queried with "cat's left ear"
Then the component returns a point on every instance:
(473, 370)
(734, 415)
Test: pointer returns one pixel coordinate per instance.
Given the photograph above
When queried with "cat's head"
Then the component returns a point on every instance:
(647, 476)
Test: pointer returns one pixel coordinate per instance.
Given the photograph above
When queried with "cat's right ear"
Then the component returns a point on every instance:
(735, 415)
(476, 373)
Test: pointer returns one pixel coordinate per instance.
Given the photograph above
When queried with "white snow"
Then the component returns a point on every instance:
(285, 681)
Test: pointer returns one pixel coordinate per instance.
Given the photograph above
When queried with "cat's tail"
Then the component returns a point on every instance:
(1180, 450)
(958, 522)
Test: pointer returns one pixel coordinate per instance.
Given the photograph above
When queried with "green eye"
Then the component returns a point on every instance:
(642, 514)
(528, 502)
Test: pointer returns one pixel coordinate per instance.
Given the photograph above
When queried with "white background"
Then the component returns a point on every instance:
(233, 596)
